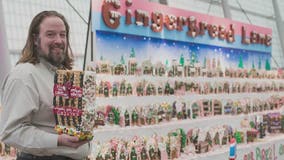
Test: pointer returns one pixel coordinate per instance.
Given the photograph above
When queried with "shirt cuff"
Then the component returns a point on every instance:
(51, 140)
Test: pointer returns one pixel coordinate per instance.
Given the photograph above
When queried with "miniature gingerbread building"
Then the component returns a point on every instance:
(71, 114)
(274, 122)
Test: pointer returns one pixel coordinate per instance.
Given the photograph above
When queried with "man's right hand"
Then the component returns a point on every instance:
(69, 141)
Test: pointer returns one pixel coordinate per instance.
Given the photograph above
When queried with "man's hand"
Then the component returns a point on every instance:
(69, 141)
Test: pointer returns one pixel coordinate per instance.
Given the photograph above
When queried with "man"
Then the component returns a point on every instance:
(27, 120)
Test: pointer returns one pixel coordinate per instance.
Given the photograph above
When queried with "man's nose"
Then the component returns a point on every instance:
(58, 39)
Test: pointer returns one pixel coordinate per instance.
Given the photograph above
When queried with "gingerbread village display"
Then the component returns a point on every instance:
(73, 100)
(199, 87)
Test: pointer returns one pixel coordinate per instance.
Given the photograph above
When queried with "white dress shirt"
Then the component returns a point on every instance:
(27, 119)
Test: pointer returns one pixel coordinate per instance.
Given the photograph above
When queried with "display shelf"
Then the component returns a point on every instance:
(128, 101)
(164, 128)
(135, 78)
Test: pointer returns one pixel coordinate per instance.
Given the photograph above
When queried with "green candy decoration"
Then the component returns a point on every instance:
(238, 137)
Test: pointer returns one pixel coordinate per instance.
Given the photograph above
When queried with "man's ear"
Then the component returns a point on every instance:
(36, 39)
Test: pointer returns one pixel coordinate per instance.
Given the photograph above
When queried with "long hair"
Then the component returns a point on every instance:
(29, 53)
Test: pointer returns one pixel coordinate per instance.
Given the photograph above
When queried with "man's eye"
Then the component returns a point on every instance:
(50, 34)
(63, 35)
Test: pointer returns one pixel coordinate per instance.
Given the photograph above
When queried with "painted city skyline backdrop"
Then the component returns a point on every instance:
(113, 46)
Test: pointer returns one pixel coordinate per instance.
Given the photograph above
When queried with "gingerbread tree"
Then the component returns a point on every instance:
(181, 60)
(122, 61)
(241, 64)
(132, 54)
(267, 65)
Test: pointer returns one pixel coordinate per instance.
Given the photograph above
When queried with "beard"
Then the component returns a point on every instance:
(56, 54)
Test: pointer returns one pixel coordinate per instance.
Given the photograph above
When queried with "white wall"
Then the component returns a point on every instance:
(19, 13)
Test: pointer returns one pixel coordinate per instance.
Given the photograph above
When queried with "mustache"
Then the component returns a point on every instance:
(61, 46)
